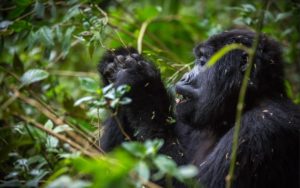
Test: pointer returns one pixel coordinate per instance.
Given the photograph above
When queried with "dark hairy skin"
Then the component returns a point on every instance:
(268, 150)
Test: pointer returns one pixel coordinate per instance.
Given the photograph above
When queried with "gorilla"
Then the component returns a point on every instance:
(206, 103)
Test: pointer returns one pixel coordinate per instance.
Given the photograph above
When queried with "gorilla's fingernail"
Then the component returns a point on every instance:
(135, 55)
(120, 58)
(130, 60)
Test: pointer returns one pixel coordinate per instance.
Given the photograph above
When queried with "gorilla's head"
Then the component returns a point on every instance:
(208, 96)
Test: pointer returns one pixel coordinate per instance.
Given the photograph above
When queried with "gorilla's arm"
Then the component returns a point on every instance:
(146, 117)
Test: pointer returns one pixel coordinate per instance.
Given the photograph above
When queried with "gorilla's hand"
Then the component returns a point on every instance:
(150, 101)
(126, 66)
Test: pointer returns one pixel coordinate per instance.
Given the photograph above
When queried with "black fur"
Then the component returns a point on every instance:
(268, 151)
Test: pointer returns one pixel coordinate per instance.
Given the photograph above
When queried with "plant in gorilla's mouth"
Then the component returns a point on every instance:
(181, 98)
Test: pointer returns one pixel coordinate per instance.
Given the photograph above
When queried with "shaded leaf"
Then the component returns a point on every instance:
(39, 9)
(17, 64)
(88, 84)
(46, 36)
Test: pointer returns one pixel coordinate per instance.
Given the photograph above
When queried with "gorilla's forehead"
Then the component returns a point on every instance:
(233, 36)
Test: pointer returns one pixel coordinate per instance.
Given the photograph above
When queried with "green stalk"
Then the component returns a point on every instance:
(241, 99)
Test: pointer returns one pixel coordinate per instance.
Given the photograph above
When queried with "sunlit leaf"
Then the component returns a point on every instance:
(67, 181)
(143, 170)
(33, 75)
(62, 128)
(49, 125)
(165, 164)
(4, 24)
(135, 148)
(83, 99)
(185, 172)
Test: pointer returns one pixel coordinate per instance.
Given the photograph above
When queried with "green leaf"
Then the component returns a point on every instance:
(121, 90)
(143, 170)
(5, 24)
(125, 100)
(249, 8)
(88, 84)
(282, 16)
(66, 181)
(49, 125)
(153, 145)
(20, 25)
(135, 148)
(58, 33)
(288, 89)
(107, 88)
(185, 172)
(83, 99)
(39, 9)
(66, 43)
(51, 142)
(23, 2)
(91, 50)
(114, 103)
(72, 12)
(62, 128)
(33, 75)
(46, 36)
(53, 8)
(165, 164)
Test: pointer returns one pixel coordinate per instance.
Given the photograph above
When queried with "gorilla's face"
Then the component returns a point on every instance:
(208, 96)
(192, 88)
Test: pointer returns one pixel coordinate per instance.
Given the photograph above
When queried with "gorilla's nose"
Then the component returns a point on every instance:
(186, 78)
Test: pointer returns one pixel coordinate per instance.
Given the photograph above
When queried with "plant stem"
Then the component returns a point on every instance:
(241, 99)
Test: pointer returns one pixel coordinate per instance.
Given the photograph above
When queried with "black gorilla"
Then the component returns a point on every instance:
(268, 151)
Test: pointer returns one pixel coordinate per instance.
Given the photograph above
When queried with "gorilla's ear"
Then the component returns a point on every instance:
(244, 61)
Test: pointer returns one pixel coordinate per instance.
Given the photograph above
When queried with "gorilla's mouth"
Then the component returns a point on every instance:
(181, 98)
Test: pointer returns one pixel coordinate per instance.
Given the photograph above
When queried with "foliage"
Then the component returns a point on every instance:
(52, 107)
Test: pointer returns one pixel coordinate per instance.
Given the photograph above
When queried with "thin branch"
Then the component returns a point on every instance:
(73, 73)
(46, 109)
(115, 117)
(8, 8)
(56, 119)
(58, 136)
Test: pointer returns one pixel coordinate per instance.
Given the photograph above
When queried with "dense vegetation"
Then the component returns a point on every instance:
(52, 103)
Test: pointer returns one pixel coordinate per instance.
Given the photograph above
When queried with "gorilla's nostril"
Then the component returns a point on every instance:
(202, 62)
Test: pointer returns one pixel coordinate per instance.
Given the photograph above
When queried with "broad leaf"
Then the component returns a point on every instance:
(33, 75)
